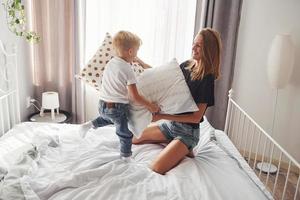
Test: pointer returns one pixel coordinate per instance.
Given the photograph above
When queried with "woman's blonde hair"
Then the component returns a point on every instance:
(210, 60)
(124, 40)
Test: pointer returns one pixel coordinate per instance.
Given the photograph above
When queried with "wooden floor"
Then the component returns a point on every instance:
(291, 183)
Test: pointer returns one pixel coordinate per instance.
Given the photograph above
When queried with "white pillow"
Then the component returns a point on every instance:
(166, 86)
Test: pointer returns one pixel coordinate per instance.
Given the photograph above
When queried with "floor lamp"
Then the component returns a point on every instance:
(279, 69)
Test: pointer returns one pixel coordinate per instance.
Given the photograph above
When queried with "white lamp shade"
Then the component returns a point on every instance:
(50, 100)
(280, 60)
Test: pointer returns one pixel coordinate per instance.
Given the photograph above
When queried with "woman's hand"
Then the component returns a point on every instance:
(156, 117)
(153, 108)
(144, 65)
(136, 59)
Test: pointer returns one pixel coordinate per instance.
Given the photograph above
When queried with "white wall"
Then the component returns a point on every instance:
(25, 80)
(260, 22)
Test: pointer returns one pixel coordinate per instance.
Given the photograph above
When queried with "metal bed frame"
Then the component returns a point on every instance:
(9, 91)
(256, 145)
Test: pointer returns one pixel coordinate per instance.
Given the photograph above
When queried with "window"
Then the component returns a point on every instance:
(166, 27)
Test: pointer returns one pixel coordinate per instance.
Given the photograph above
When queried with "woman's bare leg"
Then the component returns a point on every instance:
(151, 134)
(169, 157)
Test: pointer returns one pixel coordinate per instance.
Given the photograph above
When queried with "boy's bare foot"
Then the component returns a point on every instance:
(83, 128)
(126, 159)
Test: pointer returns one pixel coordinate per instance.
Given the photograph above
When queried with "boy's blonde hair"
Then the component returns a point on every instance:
(124, 40)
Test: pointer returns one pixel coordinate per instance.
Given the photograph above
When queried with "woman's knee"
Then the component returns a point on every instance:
(156, 167)
(137, 140)
(170, 157)
(151, 134)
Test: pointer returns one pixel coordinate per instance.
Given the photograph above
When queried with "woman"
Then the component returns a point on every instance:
(182, 132)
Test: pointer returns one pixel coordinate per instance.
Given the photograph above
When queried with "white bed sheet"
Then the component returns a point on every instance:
(90, 168)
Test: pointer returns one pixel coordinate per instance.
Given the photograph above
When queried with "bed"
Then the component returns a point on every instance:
(60, 165)
(51, 161)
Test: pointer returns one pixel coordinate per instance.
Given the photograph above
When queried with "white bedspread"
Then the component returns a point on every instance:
(90, 168)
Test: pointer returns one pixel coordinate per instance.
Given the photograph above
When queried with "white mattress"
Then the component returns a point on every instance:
(90, 168)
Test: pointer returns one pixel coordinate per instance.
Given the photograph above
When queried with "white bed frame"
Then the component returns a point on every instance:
(9, 92)
(243, 131)
(256, 145)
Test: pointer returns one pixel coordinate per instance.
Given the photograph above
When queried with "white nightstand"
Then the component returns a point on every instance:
(62, 117)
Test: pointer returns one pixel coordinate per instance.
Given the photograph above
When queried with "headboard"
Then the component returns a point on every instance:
(9, 92)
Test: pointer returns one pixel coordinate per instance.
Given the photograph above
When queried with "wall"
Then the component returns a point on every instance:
(24, 71)
(260, 22)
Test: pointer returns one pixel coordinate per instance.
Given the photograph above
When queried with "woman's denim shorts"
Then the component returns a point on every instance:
(183, 132)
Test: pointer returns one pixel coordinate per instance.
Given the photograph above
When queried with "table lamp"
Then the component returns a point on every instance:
(50, 101)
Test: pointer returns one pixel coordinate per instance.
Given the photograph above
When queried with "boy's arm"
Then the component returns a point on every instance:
(134, 94)
(144, 65)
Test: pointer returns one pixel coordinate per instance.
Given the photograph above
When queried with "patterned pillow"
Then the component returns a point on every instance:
(137, 68)
(93, 71)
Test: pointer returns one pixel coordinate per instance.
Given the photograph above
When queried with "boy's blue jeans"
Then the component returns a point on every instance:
(117, 115)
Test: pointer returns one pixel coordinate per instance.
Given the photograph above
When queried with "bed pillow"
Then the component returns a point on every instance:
(166, 86)
(137, 68)
(93, 71)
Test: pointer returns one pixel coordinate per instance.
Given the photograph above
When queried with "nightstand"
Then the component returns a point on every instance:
(62, 117)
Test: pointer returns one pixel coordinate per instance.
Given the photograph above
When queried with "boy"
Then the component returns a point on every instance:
(118, 84)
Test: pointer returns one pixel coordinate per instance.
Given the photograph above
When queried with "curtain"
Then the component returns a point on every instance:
(223, 16)
(55, 60)
(78, 90)
(166, 28)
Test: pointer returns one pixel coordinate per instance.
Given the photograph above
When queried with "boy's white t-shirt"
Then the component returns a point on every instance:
(118, 74)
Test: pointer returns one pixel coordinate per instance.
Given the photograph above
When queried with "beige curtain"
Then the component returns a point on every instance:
(54, 60)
